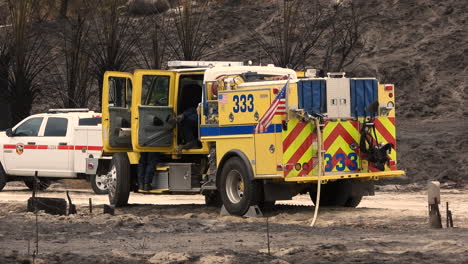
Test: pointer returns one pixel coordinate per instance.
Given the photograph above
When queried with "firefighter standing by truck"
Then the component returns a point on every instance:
(240, 158)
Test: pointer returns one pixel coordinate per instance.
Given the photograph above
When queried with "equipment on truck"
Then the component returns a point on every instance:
(264, 134)
(59, 144)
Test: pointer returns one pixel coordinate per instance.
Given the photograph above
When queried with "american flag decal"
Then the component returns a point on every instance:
(277, 107)
(223, 98)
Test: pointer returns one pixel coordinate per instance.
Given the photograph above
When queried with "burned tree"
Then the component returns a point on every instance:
(30, 55)
(152, 46)
(63, 8)
(74, 83)
(113, 39)
(290, 37)
(189, 40)
(345, 37)
(5, 62)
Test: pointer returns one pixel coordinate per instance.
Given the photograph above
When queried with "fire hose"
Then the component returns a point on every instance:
(316, 119)
(320, 170)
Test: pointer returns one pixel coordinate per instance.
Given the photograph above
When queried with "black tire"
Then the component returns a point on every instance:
(120, 179)
(213, 199)
(331, 194)
(237, 191)
(3, 178)
(353, 201)
(42, 186)
(99, 187)
(339, 193)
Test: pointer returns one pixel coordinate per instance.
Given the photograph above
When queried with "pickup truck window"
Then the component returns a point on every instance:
(30, 128)
(91, 121)
(56, 127)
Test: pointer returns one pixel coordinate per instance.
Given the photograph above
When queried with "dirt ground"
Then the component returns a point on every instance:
(390, 227)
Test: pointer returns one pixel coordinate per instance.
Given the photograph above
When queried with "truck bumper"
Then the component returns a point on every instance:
(361, 175)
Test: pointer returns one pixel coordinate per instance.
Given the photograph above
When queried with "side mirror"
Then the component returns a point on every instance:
(9, 132)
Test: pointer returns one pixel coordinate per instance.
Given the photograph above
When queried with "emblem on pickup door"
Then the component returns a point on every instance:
(19, 148)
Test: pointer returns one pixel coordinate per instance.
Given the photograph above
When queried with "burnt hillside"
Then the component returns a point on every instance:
(420, 45)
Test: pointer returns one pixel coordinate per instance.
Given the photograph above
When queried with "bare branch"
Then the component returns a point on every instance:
(114, 38)
(291, 36)
(189, 41)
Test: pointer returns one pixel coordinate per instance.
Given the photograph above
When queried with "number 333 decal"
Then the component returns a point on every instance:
(243, 103)
(342, 161)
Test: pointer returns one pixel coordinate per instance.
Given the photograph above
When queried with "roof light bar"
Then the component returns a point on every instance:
(202, 64)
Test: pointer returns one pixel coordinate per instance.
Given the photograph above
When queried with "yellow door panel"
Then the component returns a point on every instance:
(152, 107)
(116, 103)
(265, 153)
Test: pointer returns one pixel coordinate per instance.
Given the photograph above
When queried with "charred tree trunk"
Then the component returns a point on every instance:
(63, 8)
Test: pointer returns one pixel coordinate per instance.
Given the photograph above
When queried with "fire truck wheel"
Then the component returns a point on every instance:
(119, 180)
(353, 201)
(3, 178)
(331, 194)
(42, 186)
(213, 199)
(238, 192)
(99, 184)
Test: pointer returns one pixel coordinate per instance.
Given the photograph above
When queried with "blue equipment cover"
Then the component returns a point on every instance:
(363, 93)
(312, 96)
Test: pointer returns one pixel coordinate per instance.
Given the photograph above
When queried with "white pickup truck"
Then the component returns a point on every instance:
(60, 144)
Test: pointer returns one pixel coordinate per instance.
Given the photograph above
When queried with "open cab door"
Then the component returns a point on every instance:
(153, 110)
(116, 106)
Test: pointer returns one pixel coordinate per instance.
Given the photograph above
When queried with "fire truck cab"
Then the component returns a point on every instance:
(336, 130)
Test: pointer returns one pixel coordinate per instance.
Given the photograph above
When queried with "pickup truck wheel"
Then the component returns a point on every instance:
(3, 178)
(99, 184)
(119, 180)
(237, 191)
(42, 185)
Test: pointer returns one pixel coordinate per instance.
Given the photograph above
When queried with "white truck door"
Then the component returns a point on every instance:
(338, 98)
(55, 148)
(20, 153)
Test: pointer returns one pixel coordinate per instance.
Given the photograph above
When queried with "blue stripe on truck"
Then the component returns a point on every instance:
(210, 131)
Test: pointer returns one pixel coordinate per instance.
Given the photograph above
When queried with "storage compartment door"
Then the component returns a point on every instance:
(338, 98)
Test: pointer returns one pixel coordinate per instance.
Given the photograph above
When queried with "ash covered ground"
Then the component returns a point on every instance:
(390, 227)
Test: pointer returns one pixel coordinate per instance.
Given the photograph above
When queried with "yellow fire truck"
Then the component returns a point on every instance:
(264, 134)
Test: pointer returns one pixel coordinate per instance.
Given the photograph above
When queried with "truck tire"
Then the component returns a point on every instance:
(3, 178)
(99, 184)
(238, 192)
(42, 185)
(331, 194)
(353, 201)
(120, 180)
(337, 193)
